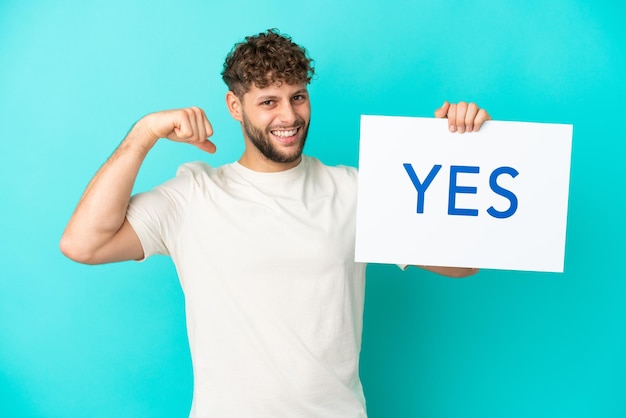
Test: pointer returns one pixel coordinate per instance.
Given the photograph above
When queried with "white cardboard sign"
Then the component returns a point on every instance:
(496, 198)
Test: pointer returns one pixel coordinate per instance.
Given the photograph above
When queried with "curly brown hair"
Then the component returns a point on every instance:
(264, 59)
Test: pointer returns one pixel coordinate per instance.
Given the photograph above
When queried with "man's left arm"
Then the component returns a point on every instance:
(462, 117)
(453, 272)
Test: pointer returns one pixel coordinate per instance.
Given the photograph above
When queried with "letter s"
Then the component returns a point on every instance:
(503, 192)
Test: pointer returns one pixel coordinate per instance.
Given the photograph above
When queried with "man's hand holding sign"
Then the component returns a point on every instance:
(462, 117)
(433, 197)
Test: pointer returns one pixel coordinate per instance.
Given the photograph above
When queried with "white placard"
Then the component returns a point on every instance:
(495, 199)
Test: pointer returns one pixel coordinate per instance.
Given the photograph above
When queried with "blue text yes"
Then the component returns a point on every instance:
(455, 189)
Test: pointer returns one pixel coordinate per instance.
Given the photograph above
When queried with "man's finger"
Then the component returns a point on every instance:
(182, 127)
(452, 118)
(207, 127)
(442, 112)
(481, 117)
(470, 116)
(206, 146)
(461, 111)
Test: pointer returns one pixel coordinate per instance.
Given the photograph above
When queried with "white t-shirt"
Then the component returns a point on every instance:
(274, 299)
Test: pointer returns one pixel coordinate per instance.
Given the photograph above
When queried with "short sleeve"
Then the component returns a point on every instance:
(156, 215)
(143, 214)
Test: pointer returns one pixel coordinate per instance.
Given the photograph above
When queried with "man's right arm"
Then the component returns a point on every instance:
(98, 231)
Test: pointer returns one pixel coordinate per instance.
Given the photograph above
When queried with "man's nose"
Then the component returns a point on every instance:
(287, 114)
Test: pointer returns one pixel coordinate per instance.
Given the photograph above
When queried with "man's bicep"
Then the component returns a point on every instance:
(123, 246)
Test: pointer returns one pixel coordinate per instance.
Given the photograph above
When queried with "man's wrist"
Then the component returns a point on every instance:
(141, 137)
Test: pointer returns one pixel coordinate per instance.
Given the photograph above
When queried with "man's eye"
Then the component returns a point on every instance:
(267, 102)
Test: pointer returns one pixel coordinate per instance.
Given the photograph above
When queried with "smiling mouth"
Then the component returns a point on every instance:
(284, 133)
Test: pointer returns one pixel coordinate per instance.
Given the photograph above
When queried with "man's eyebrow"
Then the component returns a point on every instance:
(275, 96)
(266, 97)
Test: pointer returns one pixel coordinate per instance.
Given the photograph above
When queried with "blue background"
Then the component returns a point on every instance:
(110, 341)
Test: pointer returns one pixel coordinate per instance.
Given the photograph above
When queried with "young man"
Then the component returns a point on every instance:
(264, 247)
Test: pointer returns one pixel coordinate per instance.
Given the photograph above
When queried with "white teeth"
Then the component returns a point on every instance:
(284, 134)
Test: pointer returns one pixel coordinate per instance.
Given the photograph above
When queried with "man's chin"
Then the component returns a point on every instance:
(287, 158)
(288, 152)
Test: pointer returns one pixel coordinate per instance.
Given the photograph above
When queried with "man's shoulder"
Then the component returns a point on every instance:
(339, 170)
(195, 167)
(195, 175)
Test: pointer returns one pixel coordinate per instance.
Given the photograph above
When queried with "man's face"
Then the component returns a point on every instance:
(275, 121)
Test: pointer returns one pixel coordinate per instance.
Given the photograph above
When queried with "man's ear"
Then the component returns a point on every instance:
(234, 106)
